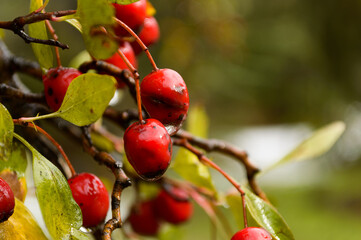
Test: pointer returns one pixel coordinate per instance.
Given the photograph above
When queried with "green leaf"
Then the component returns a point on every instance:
(75, 23)
(93, 14)
(186, 164)
(170, 232)
(61, 213)
(87, 97)
(18, 160)
(123, 2)
(197, 121)
(234, 202)
(6, 133)
(319, 143)
(267, 216)
(2, 33)
(43, 52)
(21, 225)
(80, 58)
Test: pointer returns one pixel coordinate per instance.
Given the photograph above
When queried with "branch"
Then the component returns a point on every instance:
(110, 69)
(121, 182)
(17, 26)
(203, 159)
(215, 145)
(7, 91)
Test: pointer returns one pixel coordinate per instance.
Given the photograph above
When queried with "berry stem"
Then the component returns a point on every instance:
(56, 144)
(52, 32)
(139, 41)
(184, 143)
(137, 87)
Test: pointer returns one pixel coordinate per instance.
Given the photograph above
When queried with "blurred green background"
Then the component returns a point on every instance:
(256, 64)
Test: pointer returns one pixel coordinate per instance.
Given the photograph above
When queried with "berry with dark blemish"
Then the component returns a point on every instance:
(92, 197)
(148, 147)
(56, 82)
(165, 97)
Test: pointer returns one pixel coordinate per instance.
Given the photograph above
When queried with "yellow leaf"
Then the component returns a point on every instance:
(21, 225)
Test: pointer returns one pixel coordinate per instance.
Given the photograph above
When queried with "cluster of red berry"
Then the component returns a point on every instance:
(172, 205)
(147, 143)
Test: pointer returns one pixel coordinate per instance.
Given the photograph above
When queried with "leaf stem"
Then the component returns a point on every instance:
(139, 41)
(202, 158)
(32, 119)
(137, 87)
(56, 144)
(52, 32)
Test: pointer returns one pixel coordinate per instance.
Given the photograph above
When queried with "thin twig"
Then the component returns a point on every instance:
(202, 158)
(17, 26)
(121, 182)
(56, 144)
(215, 145)
(7, 91)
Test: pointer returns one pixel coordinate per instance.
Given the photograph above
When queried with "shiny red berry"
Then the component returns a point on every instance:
(56, 81)
(92, 197)
(117, 61)
(252, 233)
(132, 15)
(173, 205)
(149, 34)
(165, 97)
(148, 148)
(143, 219)
(7, 201)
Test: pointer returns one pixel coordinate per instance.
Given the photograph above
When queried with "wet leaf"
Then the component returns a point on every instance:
(319, 143)
(6, 134)
(267, 217)
(92, 14)
(38, 30)
(61, 213)
(21, 225)
(87, 97)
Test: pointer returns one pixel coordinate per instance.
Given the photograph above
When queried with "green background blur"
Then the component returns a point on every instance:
(258, 63)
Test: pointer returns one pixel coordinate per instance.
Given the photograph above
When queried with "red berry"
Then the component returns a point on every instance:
(143, 219)
(7, 201)
(252, 233)
(148, 148)
(149, 34)
(117, 61)
(56, 81)
(173, 205)
(92, 197)
(132, 15)
(165, 97)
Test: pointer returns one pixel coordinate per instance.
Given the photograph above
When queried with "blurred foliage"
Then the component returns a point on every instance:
(264, 62)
